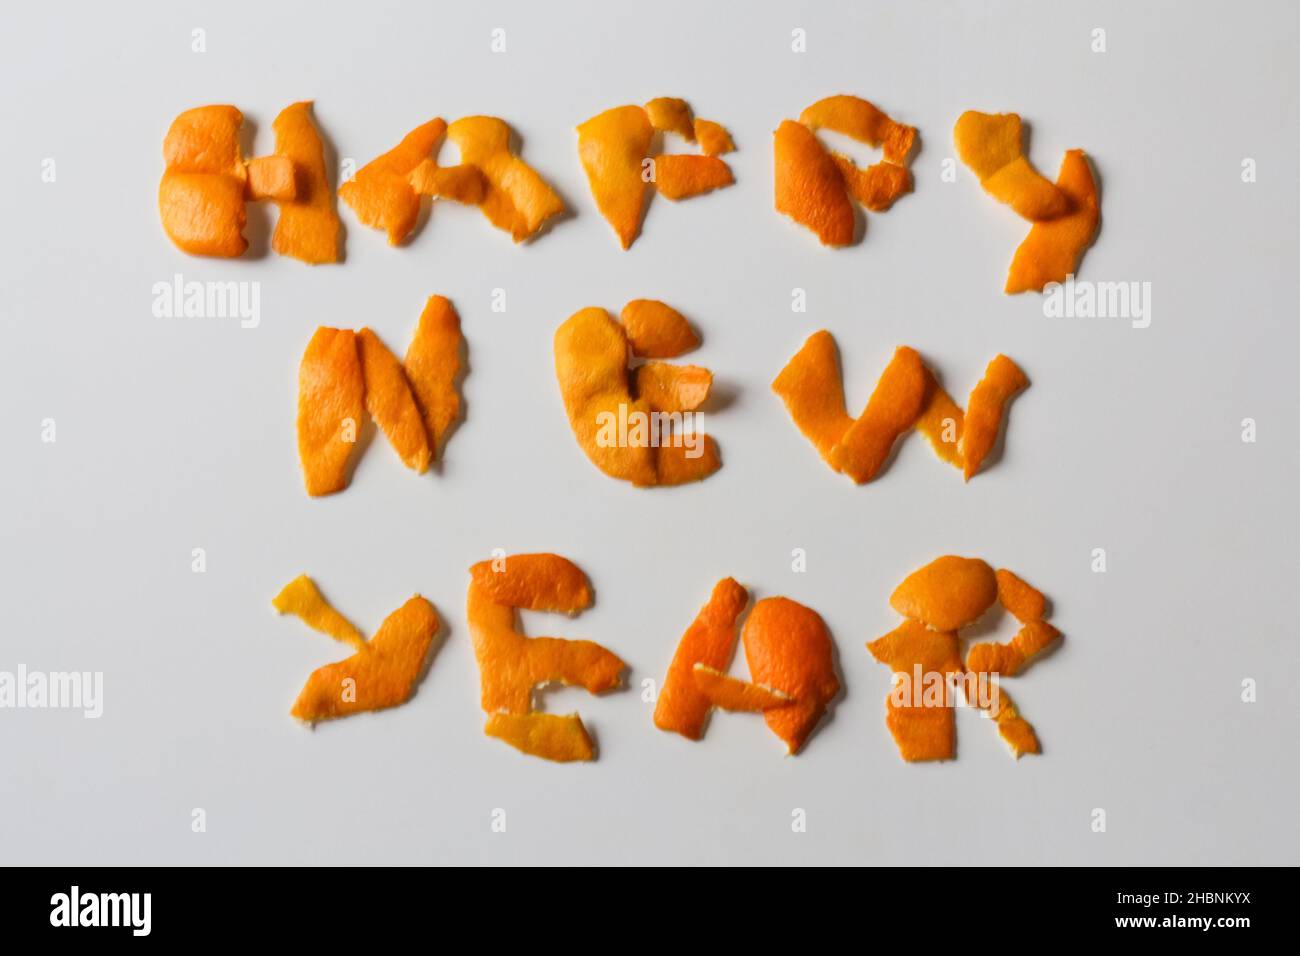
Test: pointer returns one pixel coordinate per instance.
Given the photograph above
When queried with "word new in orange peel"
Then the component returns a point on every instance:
(791, 665)
(1064, 215)
(512, 666)
(384, 670)
(938, 600)
(907, 396)
(207, 181)
(386, 193)
(415, 402)
(816, 187)
(617, 150)
(631, 424)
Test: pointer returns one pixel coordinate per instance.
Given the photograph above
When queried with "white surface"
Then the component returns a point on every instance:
(176, 434)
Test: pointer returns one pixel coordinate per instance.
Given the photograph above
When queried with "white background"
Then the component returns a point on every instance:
(174, 434)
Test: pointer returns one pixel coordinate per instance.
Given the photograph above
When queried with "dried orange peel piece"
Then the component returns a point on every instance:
(736, 695)
(906, 396)
(512, 666)
(434, 365)
(923, 729)
(561, 738)
(656, 330)
(863, 121)
(391, 404)
(463, 184)
(788, 648)
(985, 410)
(812, 388)
(672, 388)
(1010, 658)
(201, 195)
(517, 200)
(301, 598)
(683, 175)
(308, 228)
(992, 146)
(381, 194)
(331, 401)
(613, 146)
(877, 186)
(625, 435)
(713, 138)
(1025, 602)
(938, 599)
(272, 177)
(669, 114)
(948, 593)
(710, 641)
(1052, 249)
(415, 403)
(892, 409)
(384, 670)
(809, 186)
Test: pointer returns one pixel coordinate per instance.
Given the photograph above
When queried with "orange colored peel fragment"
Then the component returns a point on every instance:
(863, 121)
(1021, 599)
(656, 330)
(922, 731)
(683, 707)
(672, 388)
(809, 186)
(812, 388)
(713, 138)
(331, 401)
(788, 648)
(512, 666)
(391, 404)
(892, 409)
(1052, 249)
(682, 175)
(303, 599)
(985, 410)
(380, 193)
(991, 145)
(669, 114)
(562, 739)
(517, 199)
(272, 177)
(736, 695)
(382, 674)
(948, 593)
(201, 195)
(613, 145)
(308, 228)
(433, 366)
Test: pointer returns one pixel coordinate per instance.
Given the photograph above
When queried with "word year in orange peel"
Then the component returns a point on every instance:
(938, 600)
(415, 402)
(791, 664)
(617, 150)
(1064, 215)
(633, 426)
(386, 193)
(816, 187)
(384, 670)
(207, 182)
(906, 396)
(512, 666)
